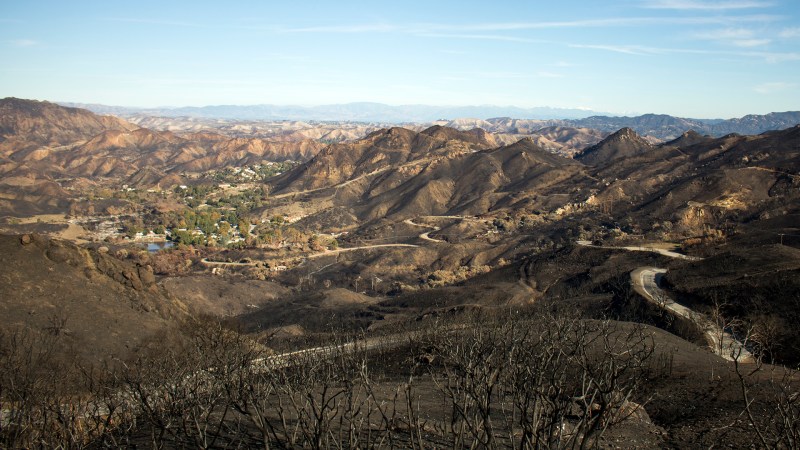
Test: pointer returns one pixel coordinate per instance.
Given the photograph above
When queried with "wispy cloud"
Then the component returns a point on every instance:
(485, 37)
(477, 29)
(190, 81)
(625, 49)
(359, 28)
(286, 58)
(500, 75)
(22, 42)
(514, 26)
(695, 5)
(772, 57)
(546, 74)
(789, 33)
(725, 34)
(774, 87)
(452, 52)
(769, 57)
(739, 37)
(169, 23)
(485, 75)
(600, 23)
(750, 43)
(449, 78)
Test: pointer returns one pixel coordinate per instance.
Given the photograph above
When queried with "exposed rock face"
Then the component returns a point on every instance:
(146, 275)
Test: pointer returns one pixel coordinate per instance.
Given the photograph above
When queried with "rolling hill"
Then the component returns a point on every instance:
(42, 142)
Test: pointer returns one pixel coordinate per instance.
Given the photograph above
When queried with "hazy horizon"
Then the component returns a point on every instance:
(688, 58)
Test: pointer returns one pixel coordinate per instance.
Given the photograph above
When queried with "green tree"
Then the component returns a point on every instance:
(244, 227)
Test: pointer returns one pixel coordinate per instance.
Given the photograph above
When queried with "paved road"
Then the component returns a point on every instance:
(645, 281)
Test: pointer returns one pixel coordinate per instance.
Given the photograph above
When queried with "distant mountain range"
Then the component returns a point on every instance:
(496, 119)
(356, 112)
(669, 127)
(660, 126)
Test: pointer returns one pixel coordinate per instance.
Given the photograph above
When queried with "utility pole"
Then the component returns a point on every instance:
(781, 235)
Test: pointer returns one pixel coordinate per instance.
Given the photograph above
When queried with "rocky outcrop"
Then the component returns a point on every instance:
(138, 277)
(623, 143)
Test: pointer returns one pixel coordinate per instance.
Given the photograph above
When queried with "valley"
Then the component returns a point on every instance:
(665, 264)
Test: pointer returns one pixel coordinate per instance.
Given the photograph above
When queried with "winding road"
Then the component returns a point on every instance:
(426, 235)
(645, 282)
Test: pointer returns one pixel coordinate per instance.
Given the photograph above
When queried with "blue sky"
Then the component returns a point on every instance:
(692, 58)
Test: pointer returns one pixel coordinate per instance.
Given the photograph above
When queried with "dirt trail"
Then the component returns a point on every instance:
(335, 186)
(351, 249)
(416, 162)
(426, 235)
(73, 232)
(644, 248)
(208, 262)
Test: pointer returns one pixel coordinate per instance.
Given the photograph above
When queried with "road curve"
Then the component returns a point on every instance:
(426, 235)
(645, 282)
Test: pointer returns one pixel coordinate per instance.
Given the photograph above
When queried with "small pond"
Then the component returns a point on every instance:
(156, 246)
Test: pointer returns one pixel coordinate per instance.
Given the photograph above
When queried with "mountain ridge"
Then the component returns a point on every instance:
(492, 118)
(354, 111)
(624, 143)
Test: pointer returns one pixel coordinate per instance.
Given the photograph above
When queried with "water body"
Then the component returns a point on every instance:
(156, 246)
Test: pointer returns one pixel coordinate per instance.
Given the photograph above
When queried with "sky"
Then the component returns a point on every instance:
(689, 58)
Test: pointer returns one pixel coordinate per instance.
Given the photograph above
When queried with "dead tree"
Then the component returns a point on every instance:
(771, 399)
